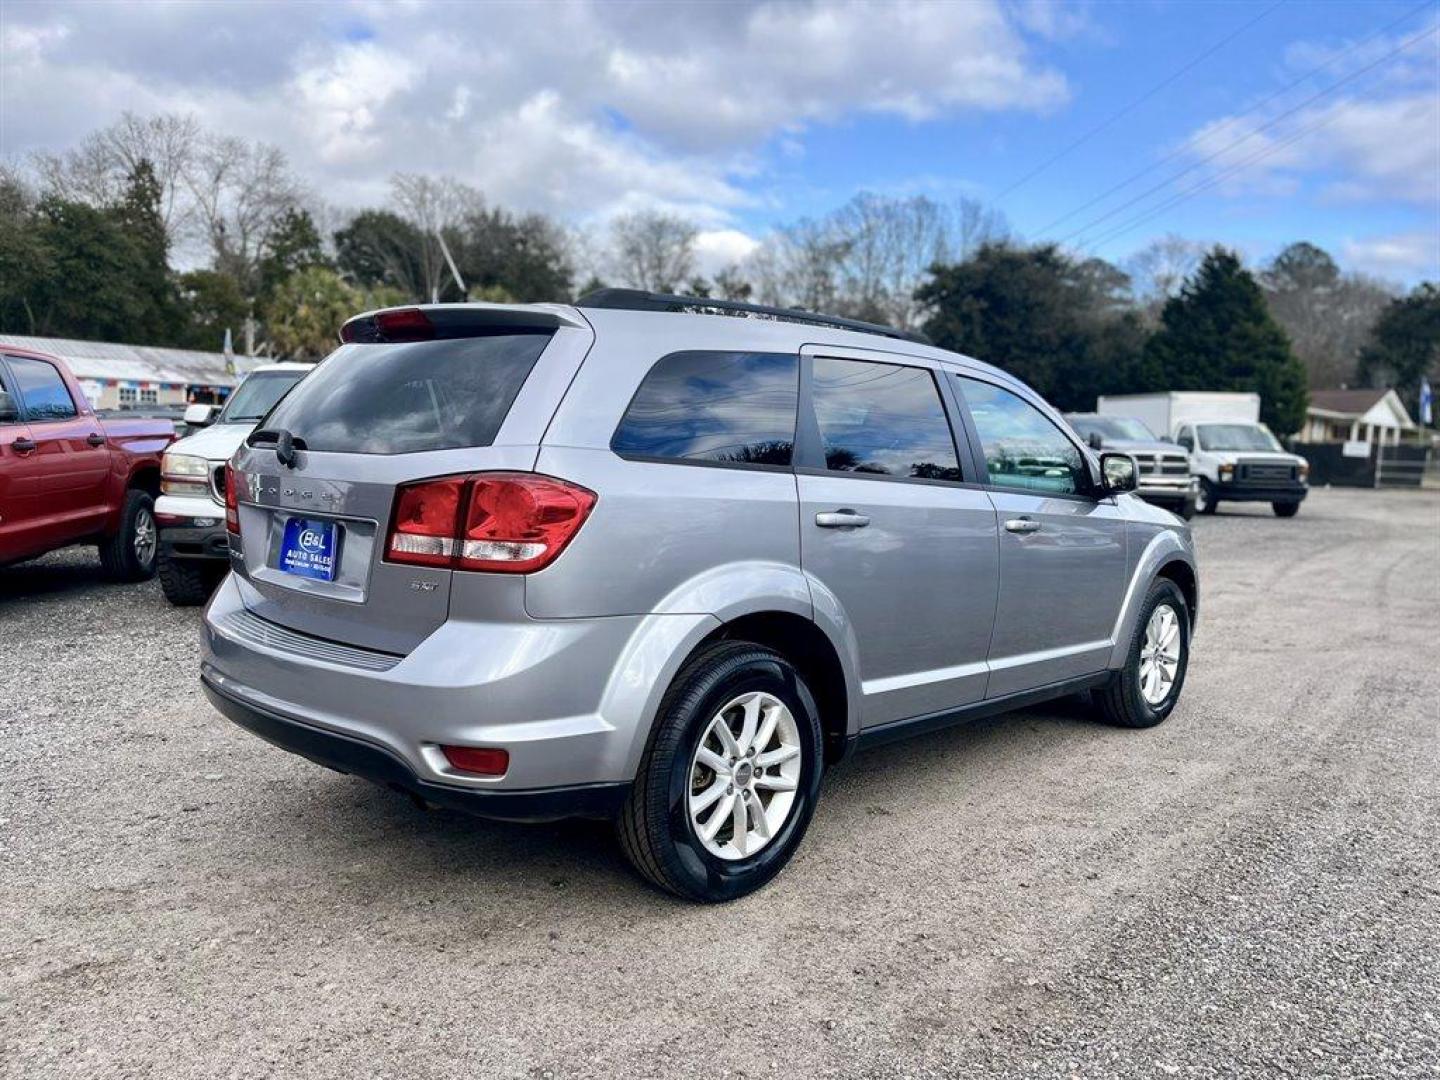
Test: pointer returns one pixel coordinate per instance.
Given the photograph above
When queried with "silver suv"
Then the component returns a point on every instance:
(643, 559)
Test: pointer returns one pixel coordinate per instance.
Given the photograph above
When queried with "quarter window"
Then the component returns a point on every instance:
(883, 419)
(1023, 449)
(735, 408)
(42, 389)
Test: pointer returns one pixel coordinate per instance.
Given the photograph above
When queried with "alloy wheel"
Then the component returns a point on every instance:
(1160, 655)
(144, 539)
(744, 775)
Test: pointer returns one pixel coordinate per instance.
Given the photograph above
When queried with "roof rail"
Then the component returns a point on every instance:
(640, 300)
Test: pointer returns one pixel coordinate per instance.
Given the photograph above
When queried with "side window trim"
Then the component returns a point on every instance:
(809, 455)
(1092, 494)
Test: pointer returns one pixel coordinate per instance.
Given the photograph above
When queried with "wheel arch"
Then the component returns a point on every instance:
(1168, 554)
(147, 479)
(804, 644)
(1183, 575)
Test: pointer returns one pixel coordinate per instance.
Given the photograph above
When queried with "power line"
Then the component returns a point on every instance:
(1179, 150)
(1245, 138)
(1185, 196)
(1126, 110)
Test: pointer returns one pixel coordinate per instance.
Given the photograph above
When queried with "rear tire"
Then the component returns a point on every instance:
(188, 582)
(1205, 498)
(1131, 699)
(129, 555)
(663, 823)
(1285, 509)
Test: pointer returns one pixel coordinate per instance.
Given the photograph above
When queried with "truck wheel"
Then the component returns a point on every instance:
(129, 555)
(188, 582)
(1145, 690)
(1285, 509)
(728, 784)
(1205, 497)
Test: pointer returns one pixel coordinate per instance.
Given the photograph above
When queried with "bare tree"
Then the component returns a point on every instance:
(1159, 269)
(976, 225)
(653, 250)
(240, 191)
(97, 170)
(868, 258)
(434, 205)
(1327, 314)
(799, 265)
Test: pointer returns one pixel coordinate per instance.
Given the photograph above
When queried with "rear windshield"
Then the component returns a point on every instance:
(405, 398)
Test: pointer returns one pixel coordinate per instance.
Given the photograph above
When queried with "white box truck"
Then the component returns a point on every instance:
(1236, 458)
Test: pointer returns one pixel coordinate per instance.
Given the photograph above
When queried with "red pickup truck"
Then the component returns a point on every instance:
(68, 477)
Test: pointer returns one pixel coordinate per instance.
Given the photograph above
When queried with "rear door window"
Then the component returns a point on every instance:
(733, 408)
(411, 397)
(883, 420)
(42, 389)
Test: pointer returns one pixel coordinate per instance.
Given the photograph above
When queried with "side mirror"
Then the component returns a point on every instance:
(1119, 473)
(199, 415)
(9, 411)
(1095, 441)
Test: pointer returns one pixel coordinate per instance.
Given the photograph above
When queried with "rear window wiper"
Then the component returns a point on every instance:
(285, 443)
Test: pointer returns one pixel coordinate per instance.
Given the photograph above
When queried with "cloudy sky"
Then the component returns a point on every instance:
(1100, 125)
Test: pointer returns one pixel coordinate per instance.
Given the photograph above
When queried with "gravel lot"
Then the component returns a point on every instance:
(1252, 889)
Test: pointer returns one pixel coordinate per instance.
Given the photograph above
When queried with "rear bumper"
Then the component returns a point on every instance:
(378, 765)
(1281, 493)
(569, 699)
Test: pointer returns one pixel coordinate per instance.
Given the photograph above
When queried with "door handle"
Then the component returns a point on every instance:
(1022, 525)
(95, 439)
(841, 519)
(23, 446)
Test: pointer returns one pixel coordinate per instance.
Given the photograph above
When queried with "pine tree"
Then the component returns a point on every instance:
(157, 319)
(1218, 335)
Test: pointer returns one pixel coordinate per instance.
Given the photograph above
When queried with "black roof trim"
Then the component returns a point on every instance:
(639, 300)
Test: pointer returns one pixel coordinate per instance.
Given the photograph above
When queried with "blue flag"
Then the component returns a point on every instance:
(1427, 401)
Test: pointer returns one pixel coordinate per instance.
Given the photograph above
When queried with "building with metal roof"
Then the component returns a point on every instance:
(118, 376)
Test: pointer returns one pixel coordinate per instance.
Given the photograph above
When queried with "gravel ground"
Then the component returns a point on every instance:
(1251, 889)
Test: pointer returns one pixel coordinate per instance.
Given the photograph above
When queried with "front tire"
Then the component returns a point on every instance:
(188, 582)
(1205, 500)
(729, 783)
(1285, 509)
(130, 554)
(1144, 692)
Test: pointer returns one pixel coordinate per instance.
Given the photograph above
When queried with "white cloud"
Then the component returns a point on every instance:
(579, 108)
(1379, 139)
(718, 248)
(1406, 256)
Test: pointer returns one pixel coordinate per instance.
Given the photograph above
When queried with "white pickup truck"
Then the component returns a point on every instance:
(194, 550)
(1236, 458)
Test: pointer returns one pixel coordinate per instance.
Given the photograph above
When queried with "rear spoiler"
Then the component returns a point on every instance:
(434, 322)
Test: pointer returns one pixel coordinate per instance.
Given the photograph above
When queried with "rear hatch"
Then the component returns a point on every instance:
(444, 392)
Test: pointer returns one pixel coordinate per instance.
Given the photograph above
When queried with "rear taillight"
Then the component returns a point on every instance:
(232, 499)
(509, 523)
(426, 519)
